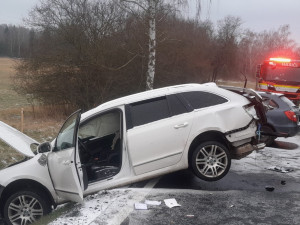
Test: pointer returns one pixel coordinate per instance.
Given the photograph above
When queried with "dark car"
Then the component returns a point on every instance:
(282, 117)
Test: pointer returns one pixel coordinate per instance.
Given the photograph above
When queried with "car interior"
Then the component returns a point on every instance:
(99, 140)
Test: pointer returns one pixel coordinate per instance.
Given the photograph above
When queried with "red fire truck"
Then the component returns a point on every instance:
(280, 75)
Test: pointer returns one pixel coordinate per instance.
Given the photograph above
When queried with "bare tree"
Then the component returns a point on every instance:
(226, 46)
(150, 8)
(256, 47)
(78, 54)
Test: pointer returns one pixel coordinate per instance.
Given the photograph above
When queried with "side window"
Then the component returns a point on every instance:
(270, 102)
(176, 106)
(273, 104)
(148, 111)
(201, 99)
(66, 137)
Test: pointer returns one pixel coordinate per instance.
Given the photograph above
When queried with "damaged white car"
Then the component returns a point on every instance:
(127, 140)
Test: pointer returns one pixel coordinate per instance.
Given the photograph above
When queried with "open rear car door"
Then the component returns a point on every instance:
(64, 163)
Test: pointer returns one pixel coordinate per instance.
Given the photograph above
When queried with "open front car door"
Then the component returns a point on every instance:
(64, 163)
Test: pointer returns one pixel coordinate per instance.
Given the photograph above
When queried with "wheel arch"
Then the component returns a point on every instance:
(207, 136)
(24, 184)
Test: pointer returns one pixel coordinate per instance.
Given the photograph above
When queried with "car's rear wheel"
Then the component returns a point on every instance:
(211, 161)
(25, 207)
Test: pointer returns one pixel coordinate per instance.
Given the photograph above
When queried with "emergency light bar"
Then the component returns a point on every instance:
(280, 60)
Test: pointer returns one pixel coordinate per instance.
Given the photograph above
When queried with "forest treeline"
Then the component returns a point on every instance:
(87, 52)
(16, 41)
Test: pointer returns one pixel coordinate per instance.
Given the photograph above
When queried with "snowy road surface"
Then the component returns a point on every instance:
(238, 198)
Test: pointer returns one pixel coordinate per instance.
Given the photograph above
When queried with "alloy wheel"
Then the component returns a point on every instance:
(24, 210)
(211, 161)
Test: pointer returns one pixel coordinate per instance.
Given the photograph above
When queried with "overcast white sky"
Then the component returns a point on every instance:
(257, 15)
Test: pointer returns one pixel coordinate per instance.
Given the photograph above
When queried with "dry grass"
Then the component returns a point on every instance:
(40, 122)
(8, 97)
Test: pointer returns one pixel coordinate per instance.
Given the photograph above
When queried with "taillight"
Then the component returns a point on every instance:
(291, 115)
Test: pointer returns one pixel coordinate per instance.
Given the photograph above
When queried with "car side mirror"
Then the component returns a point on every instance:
(44, 147)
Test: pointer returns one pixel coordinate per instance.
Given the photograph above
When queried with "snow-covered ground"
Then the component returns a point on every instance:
(248, 174)
(285, 154)
(111, 207)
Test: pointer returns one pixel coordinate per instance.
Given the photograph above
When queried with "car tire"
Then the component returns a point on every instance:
(268, 140)
(211, 161)
(25, 207)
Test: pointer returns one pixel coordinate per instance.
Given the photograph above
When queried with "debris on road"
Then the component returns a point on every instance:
(280, 169)
(171, 202)
(140, 206)
(149, 202)
(189, 215)
(269, 188)
(283, 182)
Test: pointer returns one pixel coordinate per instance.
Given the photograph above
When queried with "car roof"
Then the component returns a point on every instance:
(155, 93)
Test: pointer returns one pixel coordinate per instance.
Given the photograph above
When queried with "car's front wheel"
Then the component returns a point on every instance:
(211, 161)
(25, 207)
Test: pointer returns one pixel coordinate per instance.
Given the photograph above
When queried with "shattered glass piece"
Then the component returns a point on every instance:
(280, 169)
(140, 206)
(171, 202)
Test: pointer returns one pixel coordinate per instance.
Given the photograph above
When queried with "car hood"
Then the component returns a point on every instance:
(16, 139)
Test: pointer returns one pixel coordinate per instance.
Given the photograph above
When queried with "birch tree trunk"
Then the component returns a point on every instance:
(152, 45)
(150, 7)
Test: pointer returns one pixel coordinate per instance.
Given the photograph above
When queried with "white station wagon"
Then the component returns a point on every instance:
(127, 140)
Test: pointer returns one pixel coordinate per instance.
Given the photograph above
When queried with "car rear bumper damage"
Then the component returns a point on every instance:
(243, 141)
(244, 150)
(254, 98)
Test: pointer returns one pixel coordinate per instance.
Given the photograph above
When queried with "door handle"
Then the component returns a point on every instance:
(181, 125)
(67, 162)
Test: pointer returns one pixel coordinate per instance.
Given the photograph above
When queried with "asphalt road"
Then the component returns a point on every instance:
(220, 207)
(241, 197)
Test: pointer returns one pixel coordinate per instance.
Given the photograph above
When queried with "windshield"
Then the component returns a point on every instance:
(282, 75)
